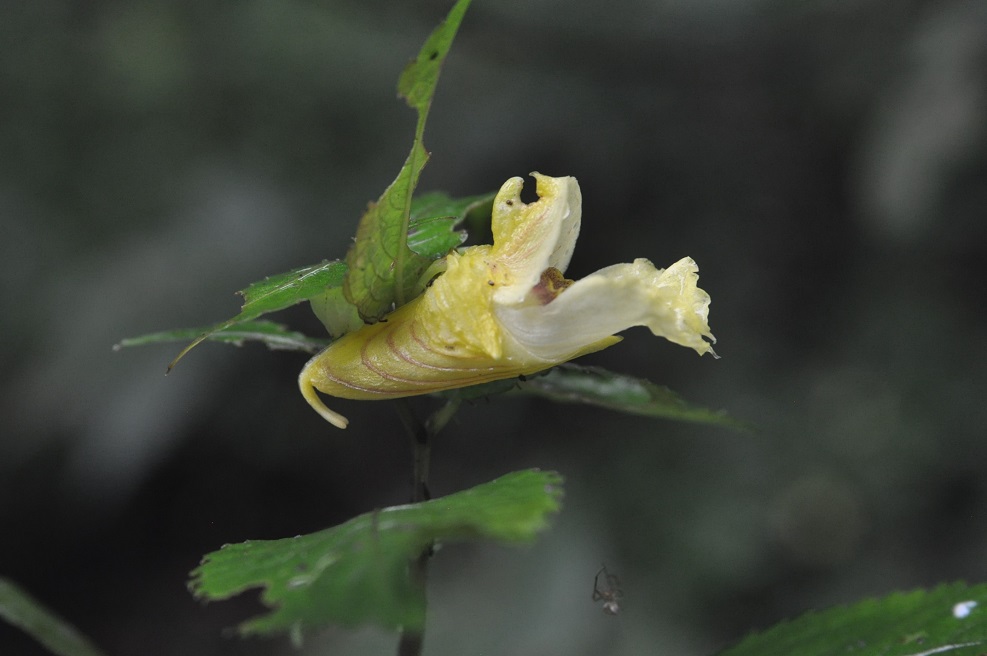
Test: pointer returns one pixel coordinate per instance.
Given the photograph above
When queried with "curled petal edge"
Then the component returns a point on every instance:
(667, 301)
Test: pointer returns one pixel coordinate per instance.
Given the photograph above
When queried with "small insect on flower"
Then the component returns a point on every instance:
(611, 594)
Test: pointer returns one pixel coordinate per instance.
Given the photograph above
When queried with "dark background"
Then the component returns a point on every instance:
(823, 162)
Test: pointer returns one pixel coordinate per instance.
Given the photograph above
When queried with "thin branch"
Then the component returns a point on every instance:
(421, 448)
(411, 643)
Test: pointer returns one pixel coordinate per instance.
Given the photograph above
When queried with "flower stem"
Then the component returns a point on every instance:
(421, 449)
(421, 433)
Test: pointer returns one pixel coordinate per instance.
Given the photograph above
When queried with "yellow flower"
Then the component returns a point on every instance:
(506, 310)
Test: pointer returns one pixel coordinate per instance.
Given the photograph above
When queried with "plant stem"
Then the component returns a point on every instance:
(411, 642)
(421, 449)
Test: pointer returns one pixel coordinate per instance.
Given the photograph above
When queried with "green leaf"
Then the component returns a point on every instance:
(919, 623)
(276, 293)
(335, 312)
(378, 260)
(438, 203)
(420, 77)
(286, 289)
(357, 572)
(379, 256)
(58, 636)
(434, 218)
(569, 383)
(481, 390)
(275, 335)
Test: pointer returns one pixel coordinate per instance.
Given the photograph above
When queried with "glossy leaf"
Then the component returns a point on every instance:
(950, 620)
(571, 383)
(378, 275)
(357, 572)
(23, 611)
(434, 218)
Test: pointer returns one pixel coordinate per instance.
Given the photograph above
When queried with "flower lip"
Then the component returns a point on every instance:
(667, 301)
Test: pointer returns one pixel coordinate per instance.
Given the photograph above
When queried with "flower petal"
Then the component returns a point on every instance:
(609, 301)
(531, 237)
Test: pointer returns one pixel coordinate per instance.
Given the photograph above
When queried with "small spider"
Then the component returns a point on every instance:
(611, 594)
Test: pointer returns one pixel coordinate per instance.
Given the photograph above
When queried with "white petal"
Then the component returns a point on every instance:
(529, 238)
(609, 301)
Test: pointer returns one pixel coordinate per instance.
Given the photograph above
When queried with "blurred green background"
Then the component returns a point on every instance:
(823, 162)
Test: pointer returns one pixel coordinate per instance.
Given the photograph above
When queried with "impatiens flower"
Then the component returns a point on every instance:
(506, 310)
